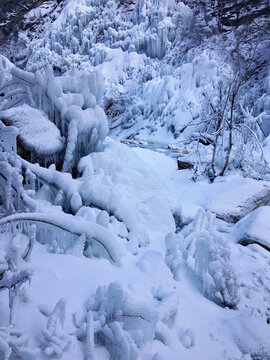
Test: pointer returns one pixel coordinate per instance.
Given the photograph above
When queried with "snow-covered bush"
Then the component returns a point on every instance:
(213, 262)
(112, 319)
(72, 102)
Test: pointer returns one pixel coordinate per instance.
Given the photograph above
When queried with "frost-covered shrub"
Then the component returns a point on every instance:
(13, 273)
(71, 101)
(220, 283)
(5, 67)
(213, 267)
(53, 342)
(112, 319)
(14, 341)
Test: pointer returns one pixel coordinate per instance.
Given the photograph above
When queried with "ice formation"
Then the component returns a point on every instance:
(13, 274)
(212, 262)
(71, 102)
(122, 325)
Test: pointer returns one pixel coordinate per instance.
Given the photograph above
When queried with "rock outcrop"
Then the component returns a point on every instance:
(17, 16)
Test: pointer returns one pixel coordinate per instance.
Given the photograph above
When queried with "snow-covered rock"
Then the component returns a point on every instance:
(36, 132)
(255, 228)
(238, 198)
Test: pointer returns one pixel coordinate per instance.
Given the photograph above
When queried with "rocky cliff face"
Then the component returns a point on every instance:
(241, 12)
(20, 21)
(232, 13)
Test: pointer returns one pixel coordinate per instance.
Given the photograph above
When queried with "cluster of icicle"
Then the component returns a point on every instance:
(144, 26)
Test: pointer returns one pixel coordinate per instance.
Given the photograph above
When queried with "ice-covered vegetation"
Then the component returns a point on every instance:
(71, 102)
(157, 247)
(212, 262)
(171, 75)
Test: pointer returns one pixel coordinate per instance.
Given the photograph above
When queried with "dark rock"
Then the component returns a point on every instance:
(236, 13)
(184, 164)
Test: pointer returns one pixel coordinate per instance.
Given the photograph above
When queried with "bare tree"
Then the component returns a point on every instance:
(223, 116)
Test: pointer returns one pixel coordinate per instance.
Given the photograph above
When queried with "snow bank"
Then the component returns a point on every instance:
(120, 182)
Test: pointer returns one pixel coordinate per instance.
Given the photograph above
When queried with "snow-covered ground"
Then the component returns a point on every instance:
(151, 188)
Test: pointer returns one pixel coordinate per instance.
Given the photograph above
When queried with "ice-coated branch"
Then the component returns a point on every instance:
(11, 279)
(73, 225)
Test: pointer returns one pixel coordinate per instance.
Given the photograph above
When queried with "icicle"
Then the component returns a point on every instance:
(8, 189)
(59, 199)
(72, 139)
(198, 222)
(90, 336)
